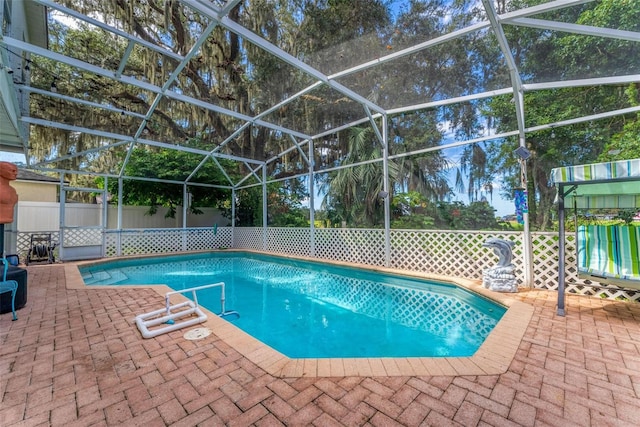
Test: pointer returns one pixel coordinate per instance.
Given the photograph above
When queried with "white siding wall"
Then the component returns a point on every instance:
(45, 216)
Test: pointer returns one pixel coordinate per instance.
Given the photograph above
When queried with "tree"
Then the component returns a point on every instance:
(285, 204)
(626, 143)
(475, 216)
(424, 173)
(218, 74)
(409, 210)
(544, 56)
(353, 192)
(173, 166)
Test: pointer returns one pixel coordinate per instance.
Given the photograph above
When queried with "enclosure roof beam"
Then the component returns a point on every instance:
(412, 49)
(224, 172)
(77, 15)
(290, 99)
(170, 181)
(134, 178)
(126, 138)
(630, 110)
(84, 152)
(125, 58)
(202, 162)
(228, 6)
(450, 101)
(343, 127)
(165, 87)
(598, 81)
(247, 176)
(80, 101)
(541, 8)
(503, 135)
(585, 30)
(527, 87)
(372, 121)
(623, 111)
(297, 146)
(516, 80)
(456, 144)
(231, 137)
(132, 144)
(514, 16)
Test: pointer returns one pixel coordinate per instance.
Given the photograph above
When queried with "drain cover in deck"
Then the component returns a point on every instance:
(197, 333)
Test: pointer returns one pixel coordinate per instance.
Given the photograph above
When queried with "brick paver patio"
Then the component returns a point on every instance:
(74, 358)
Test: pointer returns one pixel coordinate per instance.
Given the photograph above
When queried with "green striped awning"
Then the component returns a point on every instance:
(600, 185)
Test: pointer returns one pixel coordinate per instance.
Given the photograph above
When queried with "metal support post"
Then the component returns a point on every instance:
(119, 238)
(387, 191)
(264, 207)
(233, 217)
(561, 249)
(312, 216)
(526, 239)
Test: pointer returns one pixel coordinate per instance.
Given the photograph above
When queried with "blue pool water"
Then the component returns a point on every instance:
(315, 310)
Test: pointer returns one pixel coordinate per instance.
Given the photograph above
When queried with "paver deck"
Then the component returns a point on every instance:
(75, 358)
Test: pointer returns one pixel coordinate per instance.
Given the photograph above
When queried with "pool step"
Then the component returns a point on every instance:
(102, 276)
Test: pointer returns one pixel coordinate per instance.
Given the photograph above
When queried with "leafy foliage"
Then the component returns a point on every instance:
(547, 56)
(475, 216)
(352, 193)
(409, 211)
(173, 166)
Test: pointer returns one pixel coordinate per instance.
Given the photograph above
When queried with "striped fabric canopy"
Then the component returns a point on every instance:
(600, 185)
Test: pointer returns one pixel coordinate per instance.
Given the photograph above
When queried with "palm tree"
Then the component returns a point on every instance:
(353, 191)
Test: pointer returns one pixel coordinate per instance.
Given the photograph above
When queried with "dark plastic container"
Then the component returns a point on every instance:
(19, 275)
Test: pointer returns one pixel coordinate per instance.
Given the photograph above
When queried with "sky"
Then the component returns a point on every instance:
(12, 157)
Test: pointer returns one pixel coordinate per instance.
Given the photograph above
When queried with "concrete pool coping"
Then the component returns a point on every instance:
(493, 357)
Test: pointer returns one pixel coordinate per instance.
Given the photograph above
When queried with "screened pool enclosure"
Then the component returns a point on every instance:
(248, 105)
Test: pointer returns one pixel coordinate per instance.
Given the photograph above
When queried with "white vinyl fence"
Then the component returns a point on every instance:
(44, 216)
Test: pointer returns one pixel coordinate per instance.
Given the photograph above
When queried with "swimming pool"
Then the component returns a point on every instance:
(314, 310)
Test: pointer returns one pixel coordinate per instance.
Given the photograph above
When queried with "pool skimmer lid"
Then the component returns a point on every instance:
(197, 334)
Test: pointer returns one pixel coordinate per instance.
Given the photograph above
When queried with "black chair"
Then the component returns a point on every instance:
(7, 286)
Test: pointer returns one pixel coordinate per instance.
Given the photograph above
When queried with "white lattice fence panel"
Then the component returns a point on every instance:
(544, 248)
(82, 237)
(152, 241)
(450, 253)
(110, 244)
(24, 241)
(361, 246)
(147, 241)
(288, 240)
(248, 238)
(458, 254)
(202, 239)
